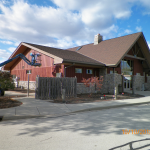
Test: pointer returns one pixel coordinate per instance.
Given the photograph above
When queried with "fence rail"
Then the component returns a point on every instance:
(51, 88)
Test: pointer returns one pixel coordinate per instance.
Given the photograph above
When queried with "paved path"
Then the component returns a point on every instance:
(95, 130)
(32, 107)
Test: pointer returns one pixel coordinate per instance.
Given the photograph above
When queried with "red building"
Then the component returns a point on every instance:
(128, 55)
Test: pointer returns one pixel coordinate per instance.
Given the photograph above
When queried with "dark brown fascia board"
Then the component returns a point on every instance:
(146, 42)
(140, 58)
(127, 50)
(15, 51)
(83, 63)
(147, 48)
(12, 55)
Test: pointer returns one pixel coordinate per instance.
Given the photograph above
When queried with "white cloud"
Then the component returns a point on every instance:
(11, 49)
(138, 29)
(79, 20)
(7, 42)
(146, 4)
(4, 55)
(148, 44)
(128, 31)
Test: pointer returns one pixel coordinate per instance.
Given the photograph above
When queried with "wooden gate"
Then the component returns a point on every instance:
(51, 88)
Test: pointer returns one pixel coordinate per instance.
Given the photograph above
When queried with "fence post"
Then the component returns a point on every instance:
(37, 89)
(63, 95)
(28, 87)
(75, 87)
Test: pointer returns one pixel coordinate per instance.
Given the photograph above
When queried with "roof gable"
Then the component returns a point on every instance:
(66, 55)
(110, 52)
(59, 55)
(107, 52)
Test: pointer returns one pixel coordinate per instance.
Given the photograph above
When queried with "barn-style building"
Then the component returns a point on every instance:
(118, 60)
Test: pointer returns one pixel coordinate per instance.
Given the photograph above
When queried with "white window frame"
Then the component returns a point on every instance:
(28, 71)
(91, 71)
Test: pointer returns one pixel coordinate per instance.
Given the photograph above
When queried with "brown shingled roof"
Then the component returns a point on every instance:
(109, 52)
(67, 56)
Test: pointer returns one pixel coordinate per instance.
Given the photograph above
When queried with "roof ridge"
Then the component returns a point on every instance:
(105, 40)
(79, 46)
(44, 46)
(122, 36)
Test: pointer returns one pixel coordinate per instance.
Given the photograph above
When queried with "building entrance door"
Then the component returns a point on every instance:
(127, 82)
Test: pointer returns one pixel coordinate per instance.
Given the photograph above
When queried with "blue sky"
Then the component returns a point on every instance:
(68, 23)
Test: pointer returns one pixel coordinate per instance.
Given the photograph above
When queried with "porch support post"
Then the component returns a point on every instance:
(115, 88)
(62, 70)
(133, 88)
(28, 87)
(122, 83)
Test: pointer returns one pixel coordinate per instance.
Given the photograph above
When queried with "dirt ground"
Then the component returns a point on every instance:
(86, 98)
(22, 90)
(8, 102)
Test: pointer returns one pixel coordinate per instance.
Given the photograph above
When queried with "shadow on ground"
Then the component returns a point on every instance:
(89, 123)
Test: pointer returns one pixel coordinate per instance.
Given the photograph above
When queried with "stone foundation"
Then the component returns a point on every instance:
(107, 87)
(138, 82)
(147, 85)
(24, 84)
(81, 89)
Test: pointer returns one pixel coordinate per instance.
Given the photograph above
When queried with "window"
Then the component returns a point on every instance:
(111, 71)
(127, 67)
(78, 70)
(79, 48)
(58, 75)
(138, 74)
(13, 76)
(89, 71)
(28, 71)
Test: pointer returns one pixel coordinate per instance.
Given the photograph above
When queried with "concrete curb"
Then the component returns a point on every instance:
(110, 107)
(7, 118)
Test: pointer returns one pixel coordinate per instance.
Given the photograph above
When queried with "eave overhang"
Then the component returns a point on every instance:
(22, 47)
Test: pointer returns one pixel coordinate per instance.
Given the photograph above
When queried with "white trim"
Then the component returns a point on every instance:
(57, 60)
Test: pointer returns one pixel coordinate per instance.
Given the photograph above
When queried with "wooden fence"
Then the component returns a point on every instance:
(51, 88)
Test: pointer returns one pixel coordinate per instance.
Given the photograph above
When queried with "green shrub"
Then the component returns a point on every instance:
(6, 81)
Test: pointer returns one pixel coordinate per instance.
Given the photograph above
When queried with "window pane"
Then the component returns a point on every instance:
(127, 67)
(78, 70)
(89, 71)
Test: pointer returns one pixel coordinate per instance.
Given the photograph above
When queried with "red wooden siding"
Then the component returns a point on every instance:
(118, 69)
(138, 68)
(70, 72)
(47, 68)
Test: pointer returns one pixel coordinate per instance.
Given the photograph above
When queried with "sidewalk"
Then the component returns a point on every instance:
(32, 108)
